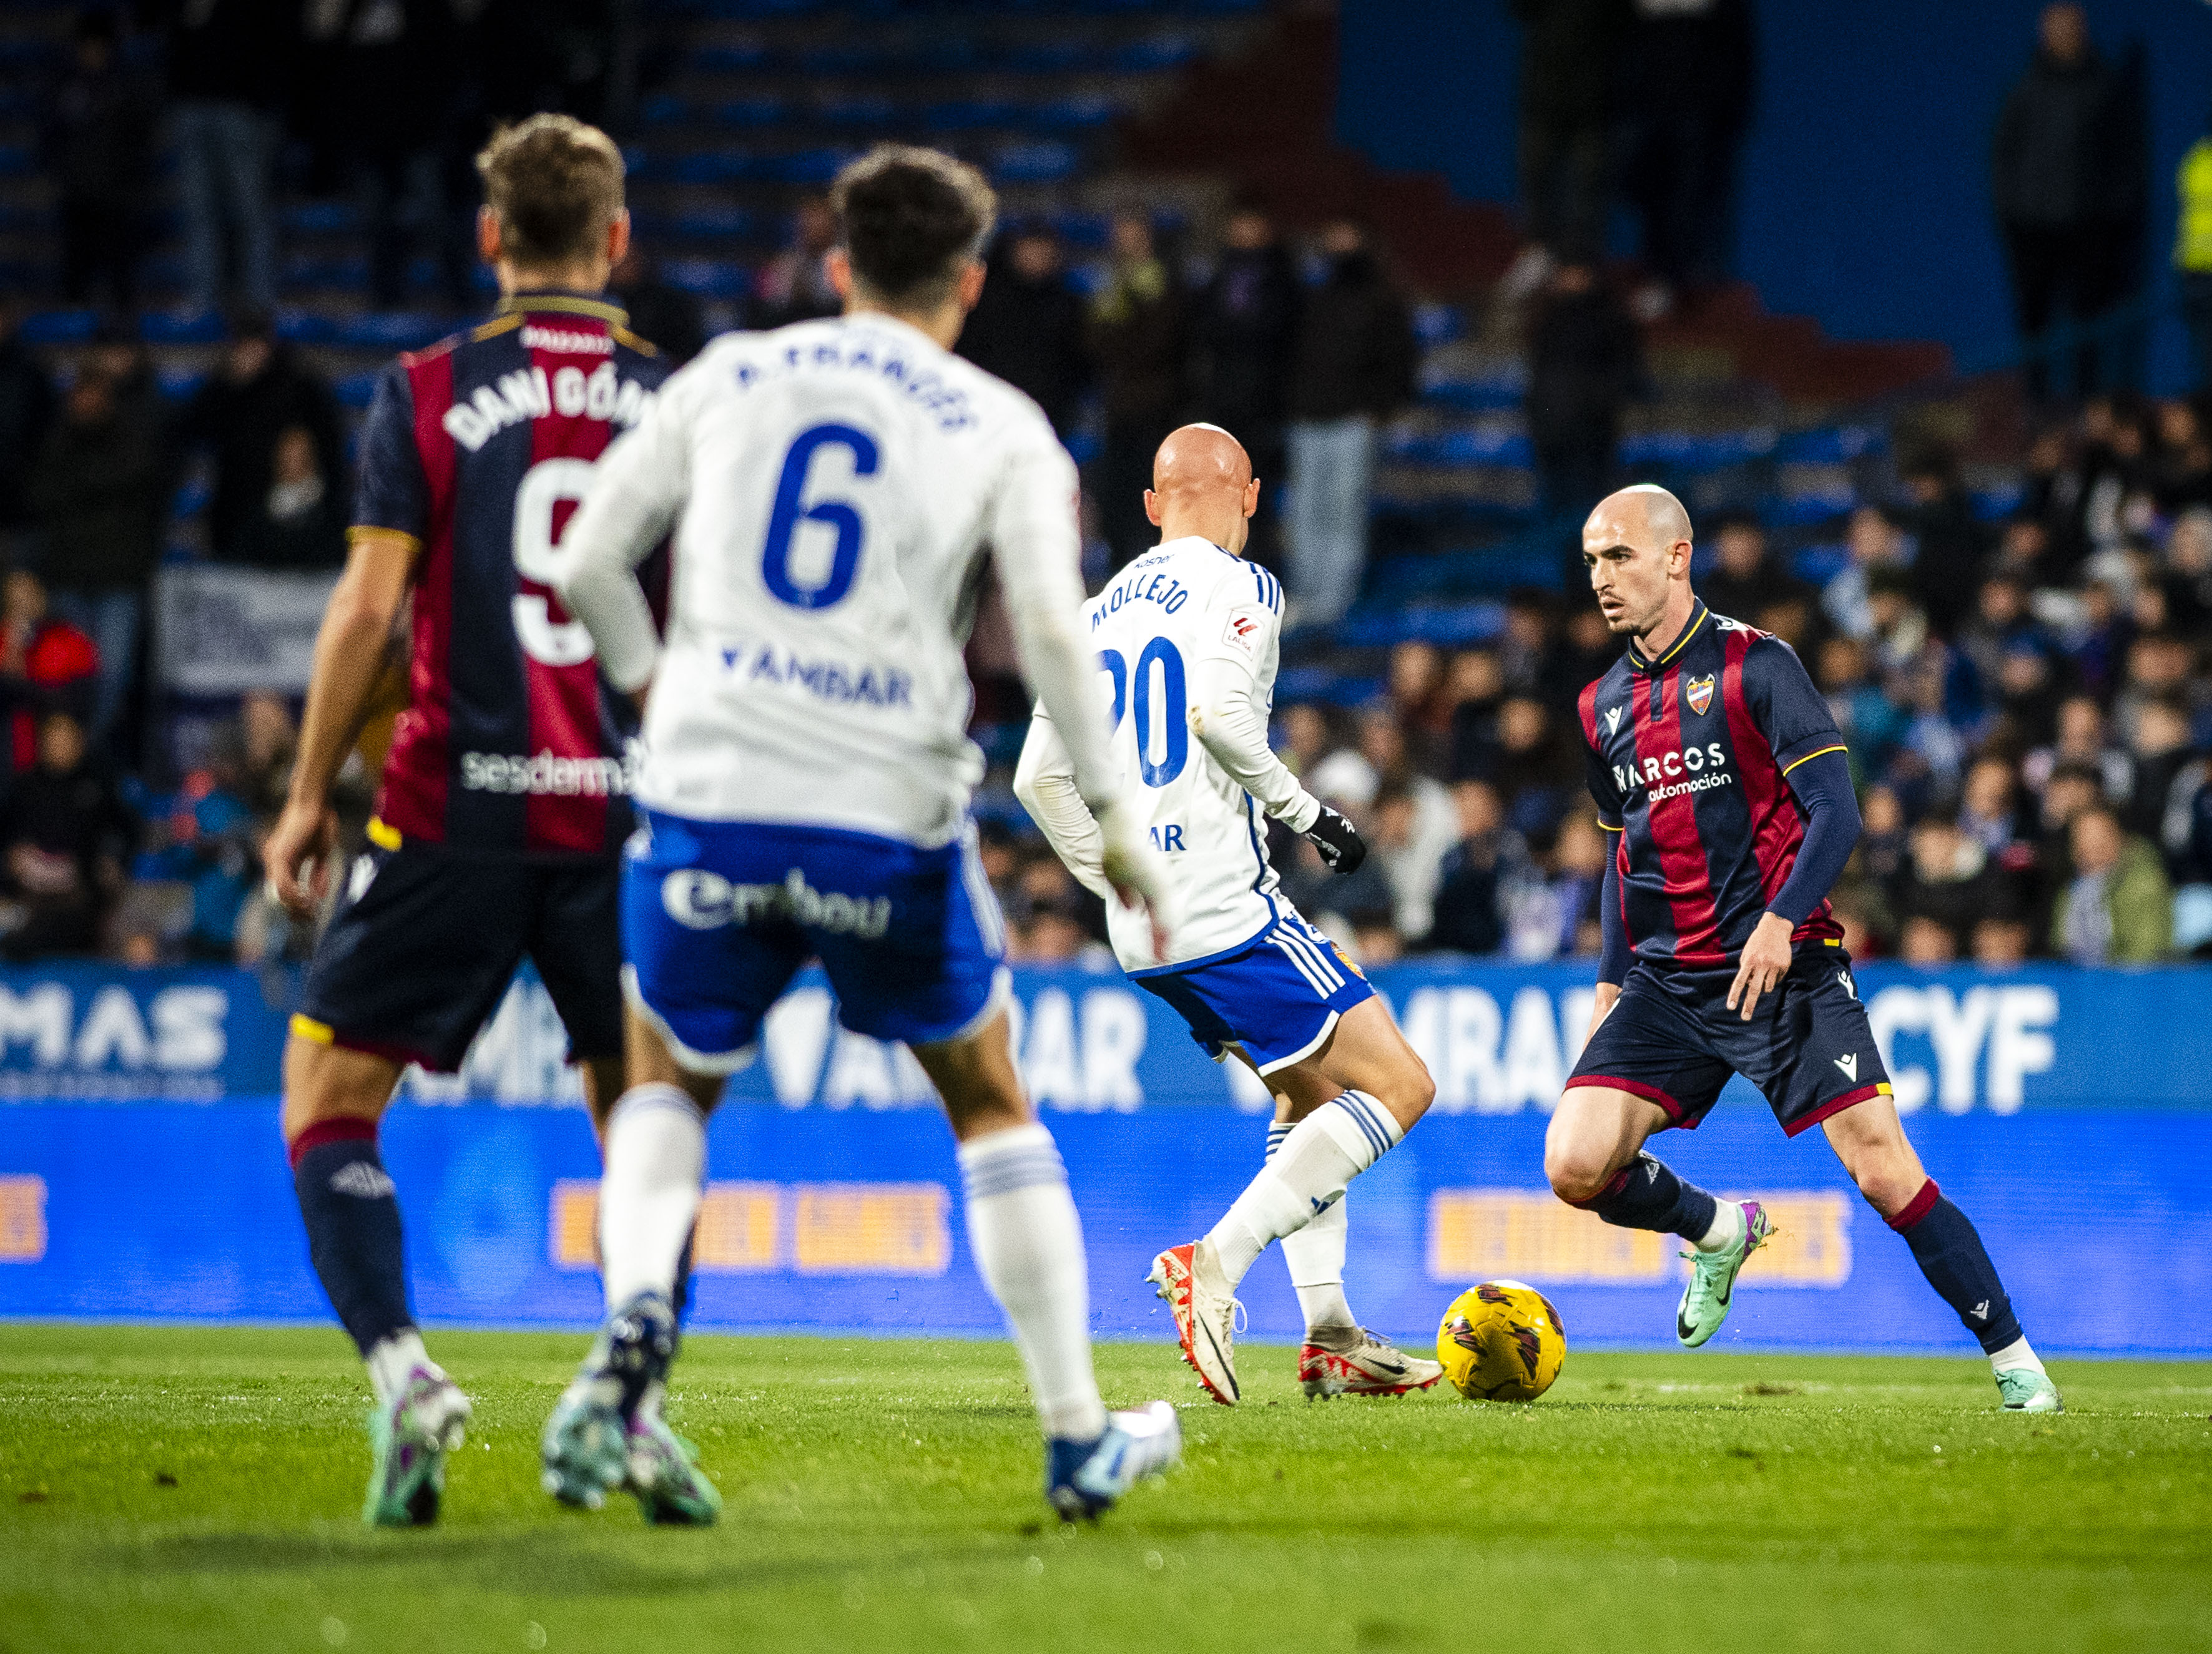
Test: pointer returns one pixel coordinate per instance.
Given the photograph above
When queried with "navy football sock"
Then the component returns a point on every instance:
(347, 1200)
(1951, 1255)
(1646, 1195)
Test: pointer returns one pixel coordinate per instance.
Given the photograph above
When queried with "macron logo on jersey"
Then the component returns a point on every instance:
(1612, 720)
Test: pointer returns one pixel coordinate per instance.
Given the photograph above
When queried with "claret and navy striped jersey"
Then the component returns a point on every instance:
(479, 448)
(1690, 756)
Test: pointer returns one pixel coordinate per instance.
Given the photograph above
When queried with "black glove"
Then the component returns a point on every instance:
(1338, 841)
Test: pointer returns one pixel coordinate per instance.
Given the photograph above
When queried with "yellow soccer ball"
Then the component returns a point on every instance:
(1501, 1341)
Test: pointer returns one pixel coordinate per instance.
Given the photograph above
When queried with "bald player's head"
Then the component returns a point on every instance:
(1202, 484)
(1637, 547)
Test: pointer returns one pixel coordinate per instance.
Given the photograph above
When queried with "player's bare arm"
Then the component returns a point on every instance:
(350, 650)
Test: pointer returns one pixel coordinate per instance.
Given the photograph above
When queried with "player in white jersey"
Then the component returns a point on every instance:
(805, 789)
(1187, 640)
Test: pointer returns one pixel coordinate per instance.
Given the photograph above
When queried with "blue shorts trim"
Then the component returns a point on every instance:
(719, 915)
(1277, 998)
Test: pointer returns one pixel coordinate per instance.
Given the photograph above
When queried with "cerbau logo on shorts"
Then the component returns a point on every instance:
(701, 900)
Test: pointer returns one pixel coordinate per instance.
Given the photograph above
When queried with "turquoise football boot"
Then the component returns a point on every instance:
(664, 1476)
(409, 1437)
(2026, 1390)
(1704, 1303)
(586, 1447)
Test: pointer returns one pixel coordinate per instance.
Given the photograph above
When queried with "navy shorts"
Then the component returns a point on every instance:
(1278, 996)
(1672, 1038)
(425, 940)
(719, 915)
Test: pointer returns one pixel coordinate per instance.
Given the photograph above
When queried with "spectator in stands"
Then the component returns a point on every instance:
(658, 310)
(1540, 767)
(301, 523)
(27, 413)
(1353, 370)
(1138, 335)
(1419, 702)
(1555, 912)
(2193, 252)
(1950, 542)
(2000, 623)
(1988, 813)
(46, 665)
(1305, 737)
(2160, 751)
(1478, 875)
(98, 144)
(209, 842)
(2181, 462)
(260, 391)
(1243, 331)
(1585, 365)
(1948, 883)
(1874, 541)
(2159, 667)
(1027, 327)
(1871, 723)
(101, 493)
(271, 739)
(1692, 65)
(1570, 58)
(2117, 908)
(2067, 185)
(228, 65)
(398, 62)
(66, 833)
(1746, 580)
(793, 286)
(2189, 575)
(1476, 691)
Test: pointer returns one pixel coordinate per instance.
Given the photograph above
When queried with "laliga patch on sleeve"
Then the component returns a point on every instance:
(1247, 631)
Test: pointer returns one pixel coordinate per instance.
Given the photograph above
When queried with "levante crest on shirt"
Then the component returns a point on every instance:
(1698, 692)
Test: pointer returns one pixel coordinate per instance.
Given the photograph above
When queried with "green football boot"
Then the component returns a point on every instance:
(409, 1437)
(664, 1476)
(1704, 1303)
(2026, 1390)
(586, 1447)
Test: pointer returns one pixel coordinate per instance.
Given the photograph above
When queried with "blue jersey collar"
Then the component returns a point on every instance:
(1638, 663)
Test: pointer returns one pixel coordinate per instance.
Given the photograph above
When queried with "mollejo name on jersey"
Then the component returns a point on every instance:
(530, 393)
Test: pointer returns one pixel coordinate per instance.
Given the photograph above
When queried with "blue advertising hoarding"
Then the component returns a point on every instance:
(141, 1174)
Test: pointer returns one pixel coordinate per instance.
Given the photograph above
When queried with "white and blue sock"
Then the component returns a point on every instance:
(1315, 1256)
(649, 1195)
(1027, 1242)
(1309, 1173)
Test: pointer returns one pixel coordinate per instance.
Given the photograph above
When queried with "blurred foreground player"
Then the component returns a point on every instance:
(1190, 634)
(805, 788)
(502, 812)
(1713, 756)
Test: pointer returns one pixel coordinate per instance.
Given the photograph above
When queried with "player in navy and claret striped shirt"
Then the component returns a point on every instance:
(504, 804)
(1718, 763)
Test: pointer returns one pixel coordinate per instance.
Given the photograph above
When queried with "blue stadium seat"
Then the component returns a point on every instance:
(180, 327)
(17, 159)
(392, 330)
(752, 111)
(731, 58)
(965, 114)
(869, 111)
(1044, 162)
(811, 166)
(1998, 501)
(663, 109)
(1435, 324)
(1085, 231)
(1077, 114)
(322, 218)
(1817, 565)
(325, 270)
(712, 222)
(1045, 57)
(715, 167)
(1160, 52)
(1811, 506)
(180, 383)
(1831, 444)
(59, 327)
(709, 278)
(355, 390)
(305, 326)
(192, 497)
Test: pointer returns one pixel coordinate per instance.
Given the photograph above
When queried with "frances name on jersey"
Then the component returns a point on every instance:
(530, 393)
(864, 351)
(842, 683)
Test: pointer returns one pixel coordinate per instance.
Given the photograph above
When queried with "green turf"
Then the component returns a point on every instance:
(196, 1490)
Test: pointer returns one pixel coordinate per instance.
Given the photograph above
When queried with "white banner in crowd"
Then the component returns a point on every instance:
(221, 631)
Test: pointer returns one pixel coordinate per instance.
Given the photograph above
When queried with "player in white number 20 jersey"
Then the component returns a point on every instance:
(805, 791)
(1185, 639)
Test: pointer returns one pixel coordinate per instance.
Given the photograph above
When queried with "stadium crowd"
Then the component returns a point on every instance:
(2026, 698)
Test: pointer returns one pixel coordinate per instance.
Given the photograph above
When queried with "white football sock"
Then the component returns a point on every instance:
(1027, 1244)
(1727, 1227)
(2015, 1357)
(649, 1193)
(1315, 1256)
(391, 1360)
(1322, 1154)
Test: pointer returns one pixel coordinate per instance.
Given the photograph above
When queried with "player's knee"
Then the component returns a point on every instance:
(1576, 1172)
(1888, 1182)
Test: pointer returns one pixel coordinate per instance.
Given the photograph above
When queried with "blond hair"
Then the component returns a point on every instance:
(555, 184)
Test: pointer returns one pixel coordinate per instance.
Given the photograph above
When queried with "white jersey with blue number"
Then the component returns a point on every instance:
(1184, 603)
(840, 480)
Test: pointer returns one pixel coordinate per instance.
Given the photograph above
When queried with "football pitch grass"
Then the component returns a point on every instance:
(192, 1488)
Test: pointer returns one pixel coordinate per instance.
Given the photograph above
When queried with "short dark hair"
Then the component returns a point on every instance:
(908, 218)
(555, 184)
